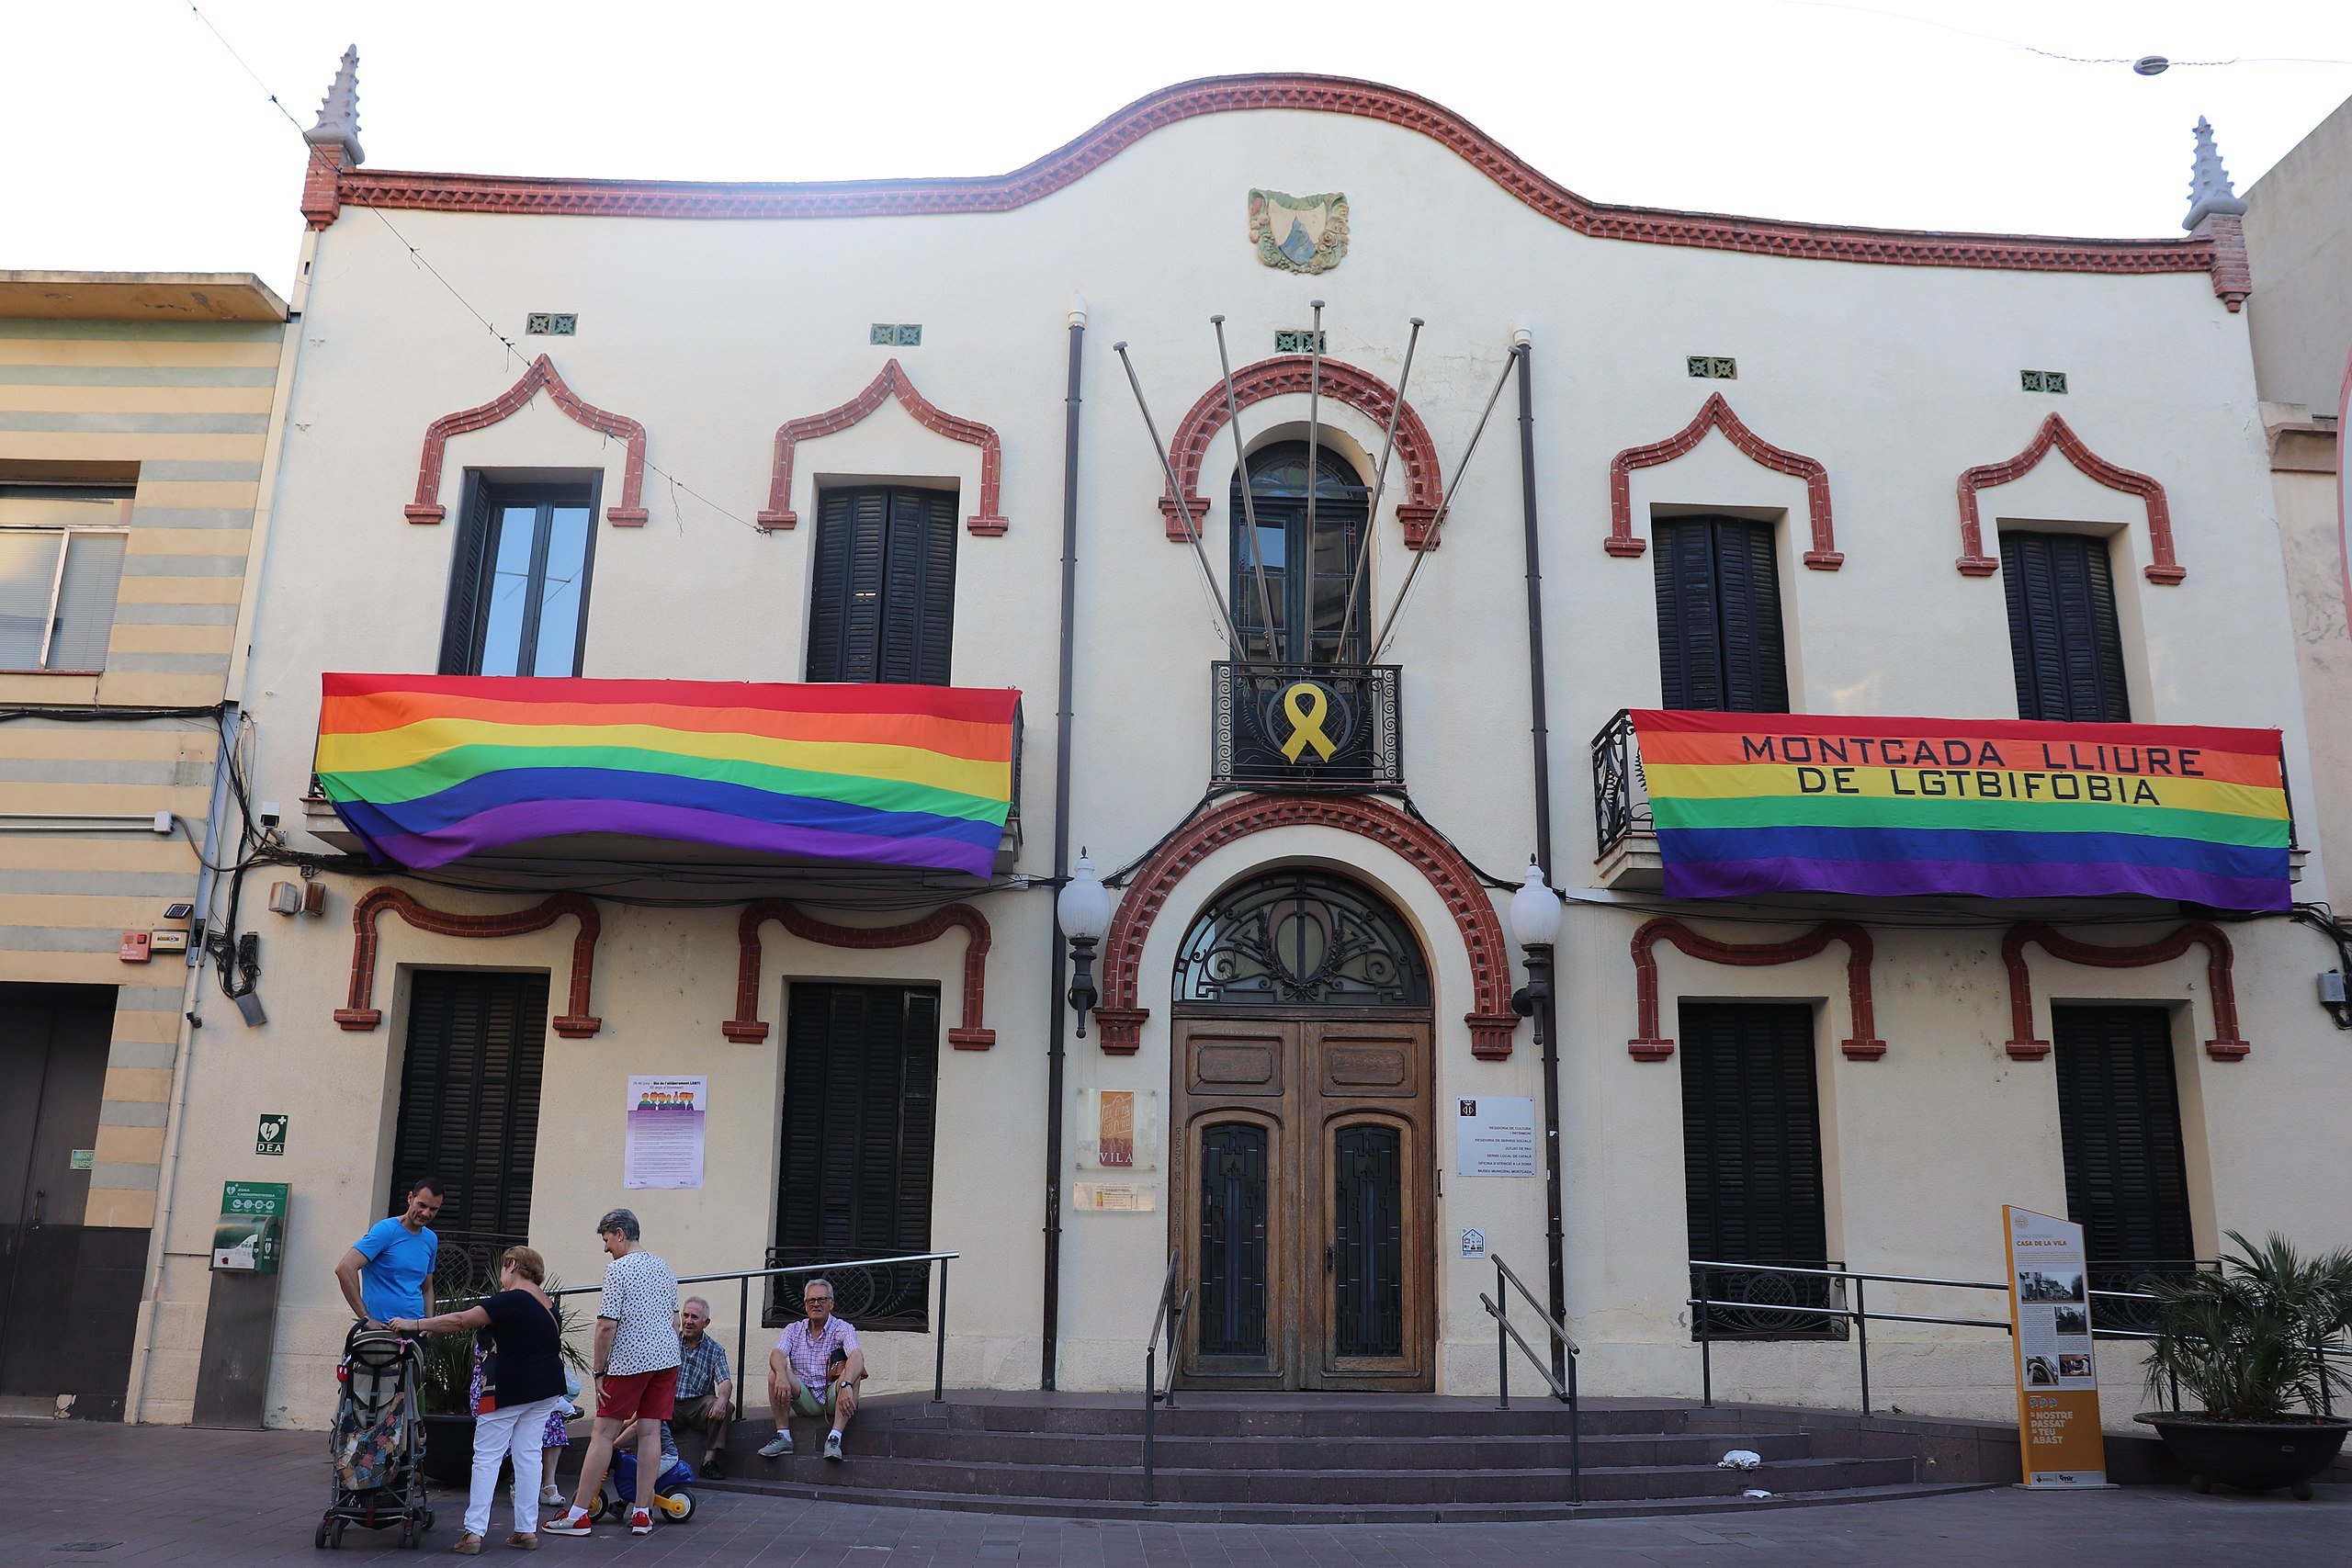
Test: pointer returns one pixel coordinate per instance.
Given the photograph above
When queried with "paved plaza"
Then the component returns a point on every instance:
(87, 1493)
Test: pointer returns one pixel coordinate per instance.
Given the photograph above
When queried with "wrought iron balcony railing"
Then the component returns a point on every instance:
(1621, 802)
(1320, 727)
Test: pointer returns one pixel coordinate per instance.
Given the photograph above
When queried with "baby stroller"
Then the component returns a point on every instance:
(674, 1502)
(378, 1439)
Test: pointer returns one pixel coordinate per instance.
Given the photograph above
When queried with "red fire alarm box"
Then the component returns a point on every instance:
(137, 947)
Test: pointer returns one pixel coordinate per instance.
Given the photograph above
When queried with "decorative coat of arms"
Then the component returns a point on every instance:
(1299, 233)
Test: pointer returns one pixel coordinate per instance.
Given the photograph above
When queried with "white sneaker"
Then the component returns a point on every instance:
(833, 1447)
(777, 1447)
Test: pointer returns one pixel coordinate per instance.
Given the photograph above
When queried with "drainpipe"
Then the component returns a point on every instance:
(1056, 1007)
(1523, 344)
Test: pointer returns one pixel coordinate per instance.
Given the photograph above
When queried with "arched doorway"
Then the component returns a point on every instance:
(1308, 573)
(1304, 1194)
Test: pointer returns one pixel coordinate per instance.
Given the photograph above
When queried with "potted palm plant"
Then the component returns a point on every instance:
(2250, 1345)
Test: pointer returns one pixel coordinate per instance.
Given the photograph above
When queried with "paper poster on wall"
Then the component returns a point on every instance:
(665, 1133)
(1495, 1136)
(2050, 1313)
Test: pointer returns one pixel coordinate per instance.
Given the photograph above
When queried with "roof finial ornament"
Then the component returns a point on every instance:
(2208, 183)
(339, 112)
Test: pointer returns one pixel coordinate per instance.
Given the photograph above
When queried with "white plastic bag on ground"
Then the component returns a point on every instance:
(1740, 1459)
(1756, 1492)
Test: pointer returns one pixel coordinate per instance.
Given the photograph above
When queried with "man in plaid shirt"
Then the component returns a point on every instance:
(706, 1385)
(814, 1370)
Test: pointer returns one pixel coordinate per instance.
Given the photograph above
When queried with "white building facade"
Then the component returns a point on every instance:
(1306, 990)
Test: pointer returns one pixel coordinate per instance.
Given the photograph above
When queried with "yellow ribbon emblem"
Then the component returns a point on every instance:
(1305, 704)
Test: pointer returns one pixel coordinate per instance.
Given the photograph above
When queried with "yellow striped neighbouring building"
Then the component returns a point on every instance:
(136, 421)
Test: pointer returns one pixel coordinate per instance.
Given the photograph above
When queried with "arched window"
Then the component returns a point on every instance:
(1306, 580)
(1298, 937)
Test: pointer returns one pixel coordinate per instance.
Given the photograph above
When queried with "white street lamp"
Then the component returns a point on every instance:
(1084, 909)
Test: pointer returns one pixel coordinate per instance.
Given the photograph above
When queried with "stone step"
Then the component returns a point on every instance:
(1194, 1417)
(1483, 1451)
(1339, 1514)
(864, 1475)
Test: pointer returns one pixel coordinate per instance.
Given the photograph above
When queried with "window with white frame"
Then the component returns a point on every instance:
(61, 560)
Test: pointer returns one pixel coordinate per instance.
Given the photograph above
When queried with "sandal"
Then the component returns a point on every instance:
(522, 1542)
(469, 1545)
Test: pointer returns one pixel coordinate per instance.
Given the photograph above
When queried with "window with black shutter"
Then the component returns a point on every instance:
(2063, 644)
(518, 588)
(883, 602)
(861, 1069)
(2118, 1117)
(469, 1109)
(1719, 645)
(1751, 1162)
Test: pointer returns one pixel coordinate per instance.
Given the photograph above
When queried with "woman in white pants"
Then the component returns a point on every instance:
(529, 1343)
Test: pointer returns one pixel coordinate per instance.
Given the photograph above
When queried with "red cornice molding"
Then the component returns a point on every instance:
(2055, 432)
(745, 1027)
(2225, 1046)
(361, 1015)
(1456, 883)
(1716, 414)
(1343, 382)
(629, 513)
(893, 382)
(1649, 1045)
(1221, 95)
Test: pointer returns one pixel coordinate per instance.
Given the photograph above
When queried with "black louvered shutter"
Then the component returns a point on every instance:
(469, 1098)
(469, 571)
(859, 1112)
(1719, 637)
(883, 602)
(2064, 645)
(1751, 1134)
(2118, 1118)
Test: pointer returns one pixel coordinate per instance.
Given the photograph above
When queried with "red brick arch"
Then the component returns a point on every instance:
(745, 1026)
(362, 1014)
(1649, 1045)
(893, 382)
(1456, 881)
(2056, 433)
(2225, 1046)
(1424, 485)
(542, 376)
(1716, 414)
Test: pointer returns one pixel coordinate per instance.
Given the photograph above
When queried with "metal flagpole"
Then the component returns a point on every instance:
(1305, 566)
(1379, 483)
(1445, 507)
(1176, 493)
(1249, 501)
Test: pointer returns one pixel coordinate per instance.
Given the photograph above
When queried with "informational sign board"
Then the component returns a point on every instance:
(664, 1146)
(251, 1231)
(1473, 1242)
(1114, 1198)
(269, 1138)
(2050, 1319)
(1495, 1136)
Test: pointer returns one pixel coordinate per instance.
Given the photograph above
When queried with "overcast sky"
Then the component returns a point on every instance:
(130, 139)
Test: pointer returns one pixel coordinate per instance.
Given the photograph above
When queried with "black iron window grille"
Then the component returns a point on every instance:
(1299, 937)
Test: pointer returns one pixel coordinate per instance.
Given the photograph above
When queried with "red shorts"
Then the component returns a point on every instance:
(653, 1395)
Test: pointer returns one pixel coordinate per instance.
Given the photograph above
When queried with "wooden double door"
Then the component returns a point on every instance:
(1304, 1200)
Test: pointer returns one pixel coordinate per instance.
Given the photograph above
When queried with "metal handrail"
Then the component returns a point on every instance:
(1860, 1316)
(1507, 1333)
(1171, 1316)
(743, 1278)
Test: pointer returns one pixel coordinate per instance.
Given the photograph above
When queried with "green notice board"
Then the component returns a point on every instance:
(252, 1227)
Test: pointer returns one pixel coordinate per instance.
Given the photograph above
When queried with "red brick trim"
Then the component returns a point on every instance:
(2055, 432)
(746, 1028)
(1650, 1045)
(362, 1014)
(321, 194)
(2226, 1045)
(2233, 273)
(1716, 414)
(893, 382)
(629, 513)
(1343, 382)
(1323, 95)
(1491, 1025)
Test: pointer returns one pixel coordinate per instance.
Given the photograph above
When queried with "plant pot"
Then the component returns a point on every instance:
(449, 1451)
(2253, 1456)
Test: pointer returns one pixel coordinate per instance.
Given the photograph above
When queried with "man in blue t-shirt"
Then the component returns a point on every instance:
(388, 1273)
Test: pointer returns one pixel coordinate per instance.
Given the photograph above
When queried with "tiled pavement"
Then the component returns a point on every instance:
(87, 1493)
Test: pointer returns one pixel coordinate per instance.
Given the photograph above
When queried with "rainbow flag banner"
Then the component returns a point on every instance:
(2002, 808)
(430, 768)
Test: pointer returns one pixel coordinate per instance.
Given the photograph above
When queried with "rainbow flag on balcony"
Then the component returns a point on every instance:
(428, 769)
(2006, 808)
